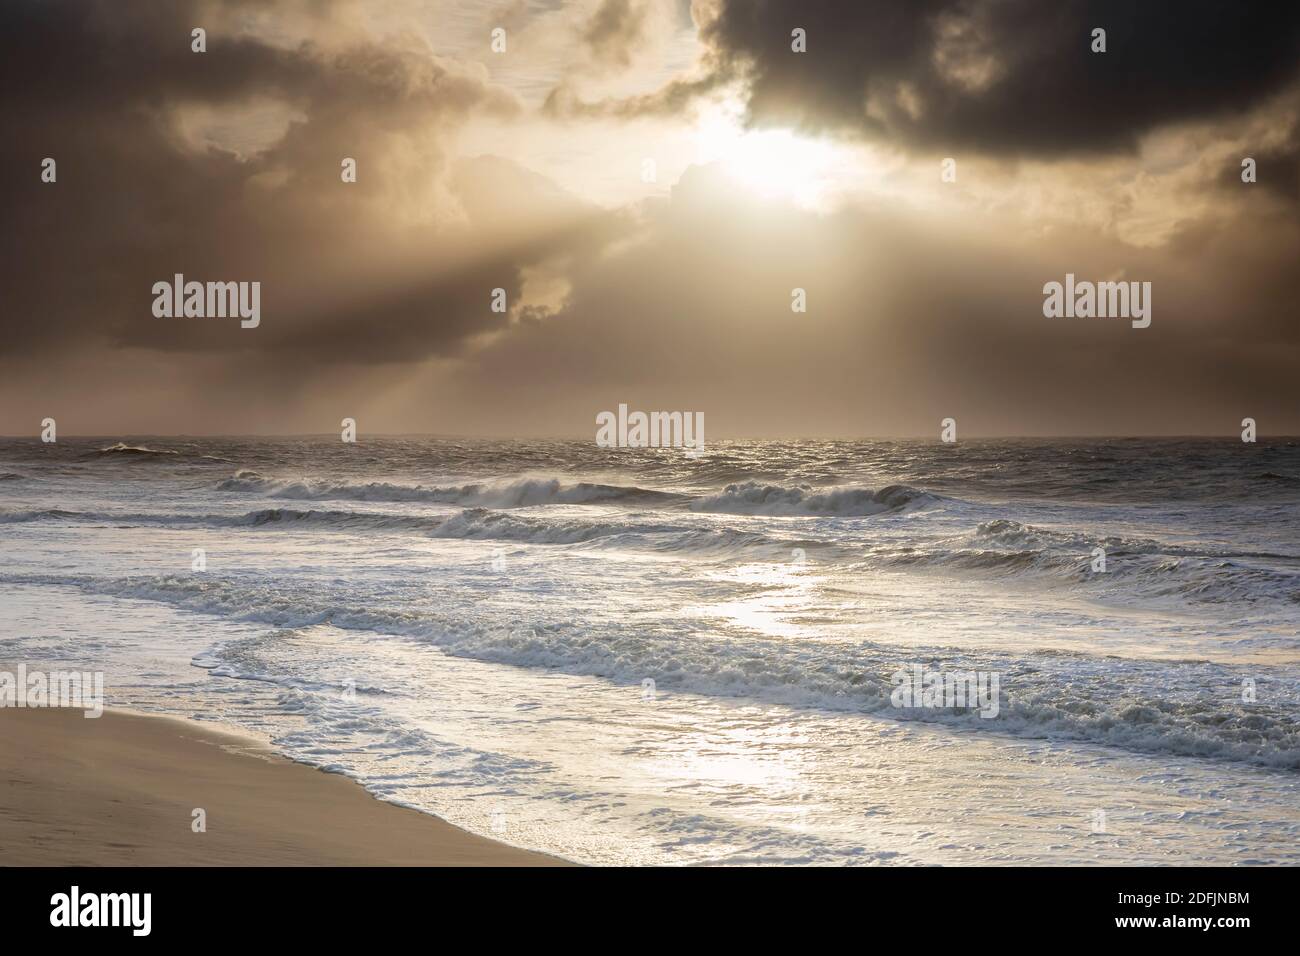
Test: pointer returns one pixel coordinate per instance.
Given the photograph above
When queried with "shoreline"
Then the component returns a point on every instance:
(122, 790)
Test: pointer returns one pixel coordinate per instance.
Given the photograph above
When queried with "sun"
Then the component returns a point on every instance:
(775, 164)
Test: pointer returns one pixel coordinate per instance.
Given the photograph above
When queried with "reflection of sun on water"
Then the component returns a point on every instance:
(787, 591)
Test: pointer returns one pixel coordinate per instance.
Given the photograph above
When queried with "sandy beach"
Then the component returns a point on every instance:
(121, 790)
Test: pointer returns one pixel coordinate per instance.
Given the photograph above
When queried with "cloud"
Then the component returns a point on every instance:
(990, 76)
(911, 318)
(924, 297)
(225, 166)
(614, 31)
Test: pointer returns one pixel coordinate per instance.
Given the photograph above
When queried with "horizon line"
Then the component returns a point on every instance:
(570, 438)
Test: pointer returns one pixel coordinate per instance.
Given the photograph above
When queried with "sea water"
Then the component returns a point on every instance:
(649, 656)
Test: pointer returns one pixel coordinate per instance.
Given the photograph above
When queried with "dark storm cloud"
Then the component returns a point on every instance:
(997, 76)
(104, 88)
(1277, 170)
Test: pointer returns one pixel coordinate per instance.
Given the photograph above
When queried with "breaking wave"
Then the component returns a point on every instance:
(753, 498)
(746, 498)
(479, 524)
(45, 514)
(1135, 568)
(1190, 710)
(121, 448)
(523, 493)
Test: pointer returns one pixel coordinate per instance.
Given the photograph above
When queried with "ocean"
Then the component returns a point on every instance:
(648, 656)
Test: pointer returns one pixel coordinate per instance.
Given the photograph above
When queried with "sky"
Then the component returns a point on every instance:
(649, 182)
